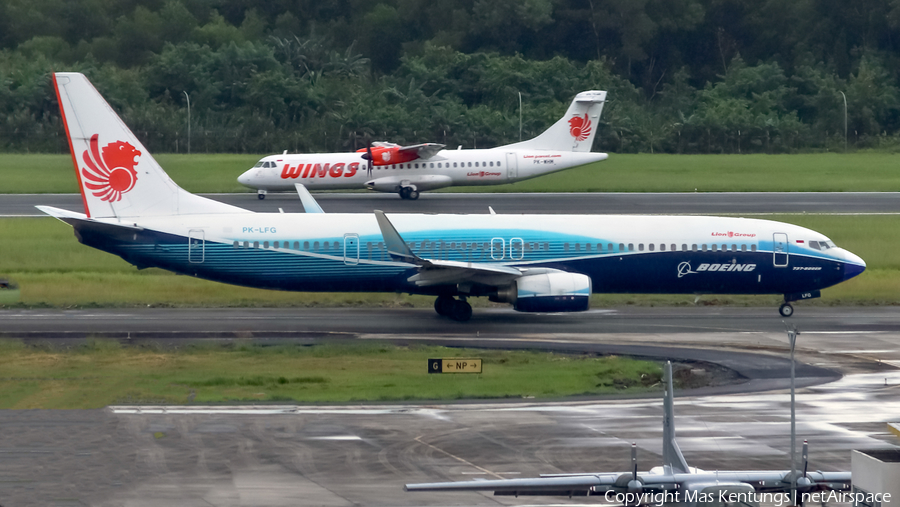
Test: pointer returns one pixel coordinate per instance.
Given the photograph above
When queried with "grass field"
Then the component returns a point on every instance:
(102, 373)
(862, 171)
(54, 270)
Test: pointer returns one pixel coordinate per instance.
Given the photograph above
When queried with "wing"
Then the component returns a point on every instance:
(424, 150)
(573, 485)
(438, 272)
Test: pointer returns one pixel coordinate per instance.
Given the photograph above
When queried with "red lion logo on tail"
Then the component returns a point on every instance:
(580, 127)
(112, 174)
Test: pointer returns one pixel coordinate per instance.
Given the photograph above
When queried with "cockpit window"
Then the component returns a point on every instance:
(814, 245)
(822, 245)
(259, 164)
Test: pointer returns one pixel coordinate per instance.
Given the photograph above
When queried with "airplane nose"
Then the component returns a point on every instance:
(853, 265)
(244, 179)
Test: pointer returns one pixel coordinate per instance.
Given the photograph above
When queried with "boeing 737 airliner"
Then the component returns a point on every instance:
(537, 263)
(408, 170)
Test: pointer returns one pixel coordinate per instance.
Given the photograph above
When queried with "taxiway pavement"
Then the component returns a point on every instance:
(363, 454)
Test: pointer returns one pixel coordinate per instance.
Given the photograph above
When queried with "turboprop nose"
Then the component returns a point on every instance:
(244, 179)
(853, 265)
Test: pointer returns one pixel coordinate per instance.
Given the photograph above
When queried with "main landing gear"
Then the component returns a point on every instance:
(456, 309)
(786, 310)
(408, 193)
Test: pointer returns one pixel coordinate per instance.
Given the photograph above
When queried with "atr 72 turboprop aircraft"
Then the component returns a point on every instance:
(673, 483)
(537, 263)
(408, 170)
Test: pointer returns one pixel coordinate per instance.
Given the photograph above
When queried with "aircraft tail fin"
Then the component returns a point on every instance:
(575, 131)
(117, 176)
(672, 456)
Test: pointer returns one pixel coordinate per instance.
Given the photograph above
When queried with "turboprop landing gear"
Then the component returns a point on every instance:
(456, 309)
(786, 310)
(408, 193)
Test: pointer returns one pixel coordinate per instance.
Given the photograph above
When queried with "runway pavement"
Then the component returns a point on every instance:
(591, 203)
(363, 454)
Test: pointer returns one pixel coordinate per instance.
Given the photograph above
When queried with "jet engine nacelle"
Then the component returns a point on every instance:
(557, 291)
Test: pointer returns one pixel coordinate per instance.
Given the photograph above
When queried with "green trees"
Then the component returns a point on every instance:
(686, 76)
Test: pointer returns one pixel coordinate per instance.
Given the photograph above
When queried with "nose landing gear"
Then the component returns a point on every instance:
(457, 309)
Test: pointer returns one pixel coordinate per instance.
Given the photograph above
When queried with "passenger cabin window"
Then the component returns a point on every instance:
(640, 247)
(265, 244)
(610, 247)
(703, 247)
(752, 248)
(256, 244)
(236, 244)
(743, 248)
(662, 247)
(621, 247)
(630, 247)
(275, 245)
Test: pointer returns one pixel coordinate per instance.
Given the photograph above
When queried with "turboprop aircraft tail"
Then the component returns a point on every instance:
(672, 457)
(117, 176)
(575, 131)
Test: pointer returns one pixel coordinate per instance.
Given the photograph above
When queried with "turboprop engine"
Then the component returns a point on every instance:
(555, 291)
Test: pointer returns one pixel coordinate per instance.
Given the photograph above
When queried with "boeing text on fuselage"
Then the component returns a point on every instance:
(536, 263)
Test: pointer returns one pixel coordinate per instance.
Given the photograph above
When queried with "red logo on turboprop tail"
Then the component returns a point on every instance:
(112, 174)
(580, 127)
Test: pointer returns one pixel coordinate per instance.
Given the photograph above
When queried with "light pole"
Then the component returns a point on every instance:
(792, 337)
(845, 119)
(188, 97)
(520, 116)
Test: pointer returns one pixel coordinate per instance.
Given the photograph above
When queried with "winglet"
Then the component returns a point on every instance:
(307, 200)
(395, 245)
(672, 456)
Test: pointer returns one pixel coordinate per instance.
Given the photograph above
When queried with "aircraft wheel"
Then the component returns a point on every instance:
(443, 304)
(404, 192)
(786, 310)
(260, 196)
(413, 195)
(461, 311)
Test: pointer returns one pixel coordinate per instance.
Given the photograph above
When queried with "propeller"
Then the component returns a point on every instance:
(804, 483)
(630, 482)
(368, 156)
(634, 485)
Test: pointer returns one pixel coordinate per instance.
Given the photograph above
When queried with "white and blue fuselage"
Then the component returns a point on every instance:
(620, 254)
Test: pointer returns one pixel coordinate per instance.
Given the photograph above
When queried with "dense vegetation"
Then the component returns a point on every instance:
(696, 76)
